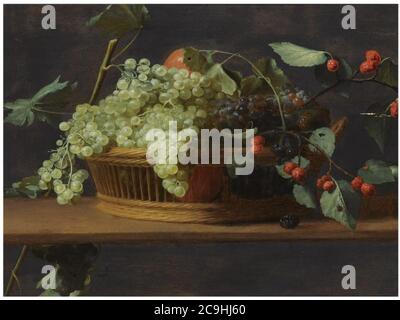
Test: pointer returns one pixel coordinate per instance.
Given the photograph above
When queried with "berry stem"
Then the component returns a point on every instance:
(352, 79)
(331, 162)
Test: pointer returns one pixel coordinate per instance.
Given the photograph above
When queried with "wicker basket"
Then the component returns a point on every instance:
(128, 187)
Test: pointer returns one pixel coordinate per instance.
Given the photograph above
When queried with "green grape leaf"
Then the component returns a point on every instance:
(59, 98)
(51, 88)
(302, 162)
(120, 19)
(387, 73)
(217, 73)
(304, 196)
(298, 56)
(21, 112)
(380, 129)
(235, 75)
(342, 204)
(253, 85)
(195, 60)
(54, 95)
(28, 186)
(325, 139)
(270, 69)
(376, 172)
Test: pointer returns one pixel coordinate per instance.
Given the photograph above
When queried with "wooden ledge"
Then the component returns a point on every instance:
(42, 221)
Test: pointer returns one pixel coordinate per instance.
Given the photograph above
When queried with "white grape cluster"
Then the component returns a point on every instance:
(146, 97)
(58, 174)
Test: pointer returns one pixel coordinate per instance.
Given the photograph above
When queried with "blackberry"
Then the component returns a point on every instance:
(289, 221)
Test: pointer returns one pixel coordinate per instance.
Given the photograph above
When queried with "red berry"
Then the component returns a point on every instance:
(332, 65)
(357, 182)
(367, 66)
(299, 174)
(394, 109)
(374, 56)
(368, 190)
(329, 186)
(257, 148)
(322, 180)
(289, 167)
(258, 140)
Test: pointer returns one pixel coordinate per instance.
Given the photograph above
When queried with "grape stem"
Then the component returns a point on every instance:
(259, 74)
(128, 45)
(103, 69)
(50, 112)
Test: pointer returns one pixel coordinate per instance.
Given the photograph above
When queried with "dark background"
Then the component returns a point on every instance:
(34, 57)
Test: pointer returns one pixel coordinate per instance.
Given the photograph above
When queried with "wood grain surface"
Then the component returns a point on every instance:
(44, 222)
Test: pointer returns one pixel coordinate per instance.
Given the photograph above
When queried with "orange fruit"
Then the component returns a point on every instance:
(175, 60)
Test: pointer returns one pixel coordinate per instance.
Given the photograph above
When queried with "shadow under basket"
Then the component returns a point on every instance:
(127, 186)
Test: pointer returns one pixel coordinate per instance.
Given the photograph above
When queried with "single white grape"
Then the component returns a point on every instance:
(179, 191)
(86, 151)
(43, 185)
(56, 174)
(61, 200)
(46, 176)
(68, 194)
(130, 64)
(64, 126)
(59, 188)
(144, 61)
(126, 131)
(76, 186)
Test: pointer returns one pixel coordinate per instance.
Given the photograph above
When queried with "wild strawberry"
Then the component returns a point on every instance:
(289, 167)
(332, 65)
(329, 186)
(357, 182)
(374, 56)
(367, 66)
(394, 109)
(258, 140)
(368, 190)
(299, 174)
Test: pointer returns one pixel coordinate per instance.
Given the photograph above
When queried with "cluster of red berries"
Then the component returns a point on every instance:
(325, 183)
(367, 189)
(257, 144)
(372, 61)
(394, 106)
(298, 174)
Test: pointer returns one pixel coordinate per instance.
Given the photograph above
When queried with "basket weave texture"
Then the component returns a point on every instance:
(127, 186)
